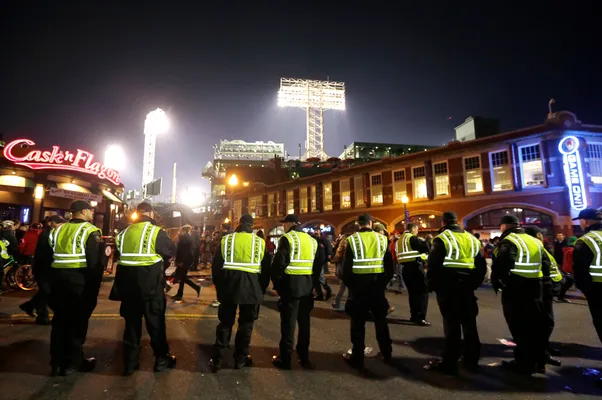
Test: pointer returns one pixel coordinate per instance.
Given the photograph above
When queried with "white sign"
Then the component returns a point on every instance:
(569, 147)
(70, 194)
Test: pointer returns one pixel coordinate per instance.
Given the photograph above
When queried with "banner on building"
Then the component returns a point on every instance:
(70, 194)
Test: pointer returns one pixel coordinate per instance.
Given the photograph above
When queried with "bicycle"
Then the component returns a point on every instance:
(18, 276)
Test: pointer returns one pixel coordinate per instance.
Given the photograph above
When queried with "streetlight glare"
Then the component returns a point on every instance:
(156, 122)
(233, 181)
(114, 157)
(405, 199)
(193, 197)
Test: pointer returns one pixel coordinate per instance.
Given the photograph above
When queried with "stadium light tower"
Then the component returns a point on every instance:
(156, 123)
(315, 97)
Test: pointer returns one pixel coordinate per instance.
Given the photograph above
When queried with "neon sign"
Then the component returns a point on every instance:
(18, 151)
(569, 147)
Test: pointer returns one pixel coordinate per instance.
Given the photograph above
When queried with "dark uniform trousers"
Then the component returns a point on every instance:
(153, 311)
(295, 311)
(594, 301)
(359, 307)
(73, 306)
(527, 320)
(418, 295)
(548, 306)
(247, 315)
(459, 310)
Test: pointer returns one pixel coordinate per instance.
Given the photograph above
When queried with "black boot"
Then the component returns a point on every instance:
(165, 362)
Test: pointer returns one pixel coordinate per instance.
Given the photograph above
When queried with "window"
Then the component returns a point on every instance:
(595, 162)
(501, 171)
(358, 188)
(256, 206)
(303, 199)
(419, 175)
(327, 196)
(290, 202)
(376, 189)
(399, 185)
(313, 198)
(278, 200)
(345, 189)
(473, 175)
(441, 179)
(271, 204)
(531, 165)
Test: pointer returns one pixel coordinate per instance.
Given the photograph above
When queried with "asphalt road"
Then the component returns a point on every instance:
(191, 325)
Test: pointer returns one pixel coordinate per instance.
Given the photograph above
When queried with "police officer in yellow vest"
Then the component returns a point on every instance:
(551, 287)
(143, 250)
(295, 262)
(75, 261)
(241, 274)
(587, 264)
(456, 268)
(411, 253)
(519, 265)
(367, 268)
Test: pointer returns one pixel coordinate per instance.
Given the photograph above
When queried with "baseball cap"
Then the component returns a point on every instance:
(363, 219)
(292, 218)
(80, 205)
(588, 213)
(449, 217)
(246, 219)
(571, 241)
(144, 207)
(509, 220)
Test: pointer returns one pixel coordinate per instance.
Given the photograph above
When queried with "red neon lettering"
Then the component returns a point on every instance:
(58, 160)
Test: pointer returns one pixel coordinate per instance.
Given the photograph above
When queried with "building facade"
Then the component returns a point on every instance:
(543, 174)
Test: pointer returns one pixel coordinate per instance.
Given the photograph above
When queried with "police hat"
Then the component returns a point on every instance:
(81, 205)
(292, 218)
(588, 213)
(510, 220)
(364, 219)
(246, 219)
(144, 207)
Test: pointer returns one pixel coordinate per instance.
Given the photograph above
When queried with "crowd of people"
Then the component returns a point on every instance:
(528, 271)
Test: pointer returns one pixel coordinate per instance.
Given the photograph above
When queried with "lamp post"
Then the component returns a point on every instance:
(232, 182)
(405, 201)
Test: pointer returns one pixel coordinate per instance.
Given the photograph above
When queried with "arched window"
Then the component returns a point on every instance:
(426, 222)
(490, 220)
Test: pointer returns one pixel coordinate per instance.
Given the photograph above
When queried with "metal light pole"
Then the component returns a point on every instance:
(406, 216)
(233, 181)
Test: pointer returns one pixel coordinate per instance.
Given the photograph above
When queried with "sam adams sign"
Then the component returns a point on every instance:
(569, 148)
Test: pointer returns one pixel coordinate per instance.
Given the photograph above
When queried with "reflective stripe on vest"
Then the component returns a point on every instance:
(405, 253)
(369, 249)
(555, 274)
(303, 251)
(137, 245)
(68, 243)
(593, 240)
(528, 258)
(243, 251)
(461, 249)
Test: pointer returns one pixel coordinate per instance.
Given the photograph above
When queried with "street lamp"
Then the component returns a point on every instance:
(405, 201)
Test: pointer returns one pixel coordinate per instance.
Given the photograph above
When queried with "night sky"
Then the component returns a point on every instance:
(86, 75)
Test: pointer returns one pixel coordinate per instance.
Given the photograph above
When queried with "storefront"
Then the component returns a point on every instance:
(488, 223)
(36, 183)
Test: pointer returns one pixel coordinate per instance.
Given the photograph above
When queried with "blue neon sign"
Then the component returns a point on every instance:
(569, 148)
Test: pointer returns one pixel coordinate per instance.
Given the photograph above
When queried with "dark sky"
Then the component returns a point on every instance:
(86, 75)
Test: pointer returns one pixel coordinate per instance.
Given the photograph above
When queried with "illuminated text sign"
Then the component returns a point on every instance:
(569, 147)
(20, 153)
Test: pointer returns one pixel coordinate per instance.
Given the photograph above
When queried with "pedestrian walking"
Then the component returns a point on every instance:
(184, 263)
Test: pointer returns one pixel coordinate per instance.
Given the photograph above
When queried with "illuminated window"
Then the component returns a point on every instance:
(271, 204)
(358, 188)
(237, 210)
(501, 171)
(327, 187)
(303, 199)
(595, 162)
(531, 166)
(376, 189)
(278, 199)
(441, 179)
(419, 180)
(290, 202)
(345, 189)
(256, 206)
(12, 180)
(473, 175)
(313, 198)
(399, 185)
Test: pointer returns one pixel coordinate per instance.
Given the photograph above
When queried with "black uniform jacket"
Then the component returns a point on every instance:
(73, 279)
(360, 283)
(239, 287)
(442, 279)
(503, 262)
(293, 286)
(139, 283)
(582, 259)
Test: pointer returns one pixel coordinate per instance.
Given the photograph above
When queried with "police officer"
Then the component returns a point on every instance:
(241, 275)
(587, 264)
(519, 265)
(295, 261)
(367, 268)
(411, 252)
(456, 269)
(142, 249)
(75, 260)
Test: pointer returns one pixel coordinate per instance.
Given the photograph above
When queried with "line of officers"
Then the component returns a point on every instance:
(522, 270)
